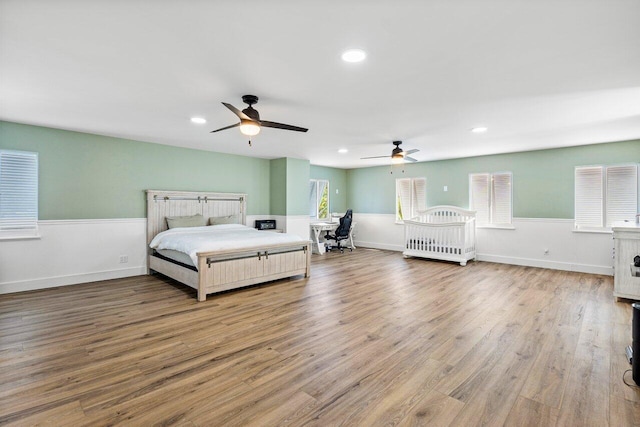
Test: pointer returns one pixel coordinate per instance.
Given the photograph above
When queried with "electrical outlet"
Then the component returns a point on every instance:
(337, 191)
(445, 188)
(124, 259)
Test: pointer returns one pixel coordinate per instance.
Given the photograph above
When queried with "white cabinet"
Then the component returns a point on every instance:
(626, 282)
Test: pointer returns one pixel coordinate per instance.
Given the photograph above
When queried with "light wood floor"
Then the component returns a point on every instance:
(370, 339)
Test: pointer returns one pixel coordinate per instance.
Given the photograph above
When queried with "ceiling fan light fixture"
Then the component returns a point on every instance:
(198, 120)
(479, 129)
(354, 55)
(397, 159)
(249, 128)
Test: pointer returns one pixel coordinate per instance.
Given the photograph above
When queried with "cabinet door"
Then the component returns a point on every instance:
(626, 281)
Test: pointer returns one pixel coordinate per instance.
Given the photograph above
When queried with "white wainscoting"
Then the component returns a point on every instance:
(524, 245)
(80, 251)
(74, 251)
(293, 224)
(298, 225)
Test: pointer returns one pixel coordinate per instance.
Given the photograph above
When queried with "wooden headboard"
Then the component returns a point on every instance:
(161, 204)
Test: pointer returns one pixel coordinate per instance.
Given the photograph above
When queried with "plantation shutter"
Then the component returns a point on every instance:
(419, 201)
(403, 198)
(622, 193)
(18, 193)
(501, 198)
(479, 195)
(589, 196)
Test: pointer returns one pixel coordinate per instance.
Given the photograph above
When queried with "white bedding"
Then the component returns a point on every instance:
(191, 240)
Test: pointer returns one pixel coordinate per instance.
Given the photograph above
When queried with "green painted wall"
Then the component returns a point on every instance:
(543, 181)
(278, 185)
(337, 181)
(297, 187)
(85, 176)
(289, 186)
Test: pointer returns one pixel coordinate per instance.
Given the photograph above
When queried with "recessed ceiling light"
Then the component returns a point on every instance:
(343, 150)
(198, 120)
(354, 55)
(480, 129)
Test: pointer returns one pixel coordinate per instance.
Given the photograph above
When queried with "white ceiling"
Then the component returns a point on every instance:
(538, 74)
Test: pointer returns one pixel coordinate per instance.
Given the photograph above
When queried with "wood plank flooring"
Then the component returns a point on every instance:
(369, 339)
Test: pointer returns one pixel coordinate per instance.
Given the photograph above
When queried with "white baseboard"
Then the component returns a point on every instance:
(72, 279)
(552, 265)
(526, 262)
(374, 245)
(535, 242)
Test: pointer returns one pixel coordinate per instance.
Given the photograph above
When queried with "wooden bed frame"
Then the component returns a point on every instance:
(442, 232)
(221, 270)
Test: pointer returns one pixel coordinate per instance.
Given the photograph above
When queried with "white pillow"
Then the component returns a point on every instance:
(230, 219)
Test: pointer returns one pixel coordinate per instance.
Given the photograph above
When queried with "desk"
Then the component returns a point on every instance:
(317, 229)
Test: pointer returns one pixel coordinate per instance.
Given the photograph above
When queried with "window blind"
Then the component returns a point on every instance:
(479, 193)
(403, 199)
(622, 193)
(589, 196)
(490, 195)
(501, 199)
(411, 197)
(18, 193)
(419, 196)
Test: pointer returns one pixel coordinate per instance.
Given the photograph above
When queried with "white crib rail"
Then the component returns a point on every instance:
(442, 232)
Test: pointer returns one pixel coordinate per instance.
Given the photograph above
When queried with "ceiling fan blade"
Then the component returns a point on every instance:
(411, 151)
(375, 157)
(268, 124)
(410, 159)
(237, 112)
(226, 127)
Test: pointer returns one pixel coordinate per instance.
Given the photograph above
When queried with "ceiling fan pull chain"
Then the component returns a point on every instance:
(249, 142)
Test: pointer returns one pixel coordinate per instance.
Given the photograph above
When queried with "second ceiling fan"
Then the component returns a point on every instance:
(250, 122)
(398, 155)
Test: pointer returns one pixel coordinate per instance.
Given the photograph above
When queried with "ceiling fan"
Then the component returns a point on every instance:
(397, 154)
(250, 122)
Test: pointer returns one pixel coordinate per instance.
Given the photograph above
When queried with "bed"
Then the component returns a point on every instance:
(442, 232)
(264, 256)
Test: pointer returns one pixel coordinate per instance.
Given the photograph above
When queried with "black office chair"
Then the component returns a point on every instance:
(341, 233)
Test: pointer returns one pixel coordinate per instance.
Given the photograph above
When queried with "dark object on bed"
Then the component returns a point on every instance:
(342, 232)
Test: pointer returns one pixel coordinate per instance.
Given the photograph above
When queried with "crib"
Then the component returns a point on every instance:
(442, 232)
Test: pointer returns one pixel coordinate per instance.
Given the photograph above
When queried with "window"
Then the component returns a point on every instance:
(411, 197)
(490, 196)
(18, 194)
(319, 199)
(605, 194)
